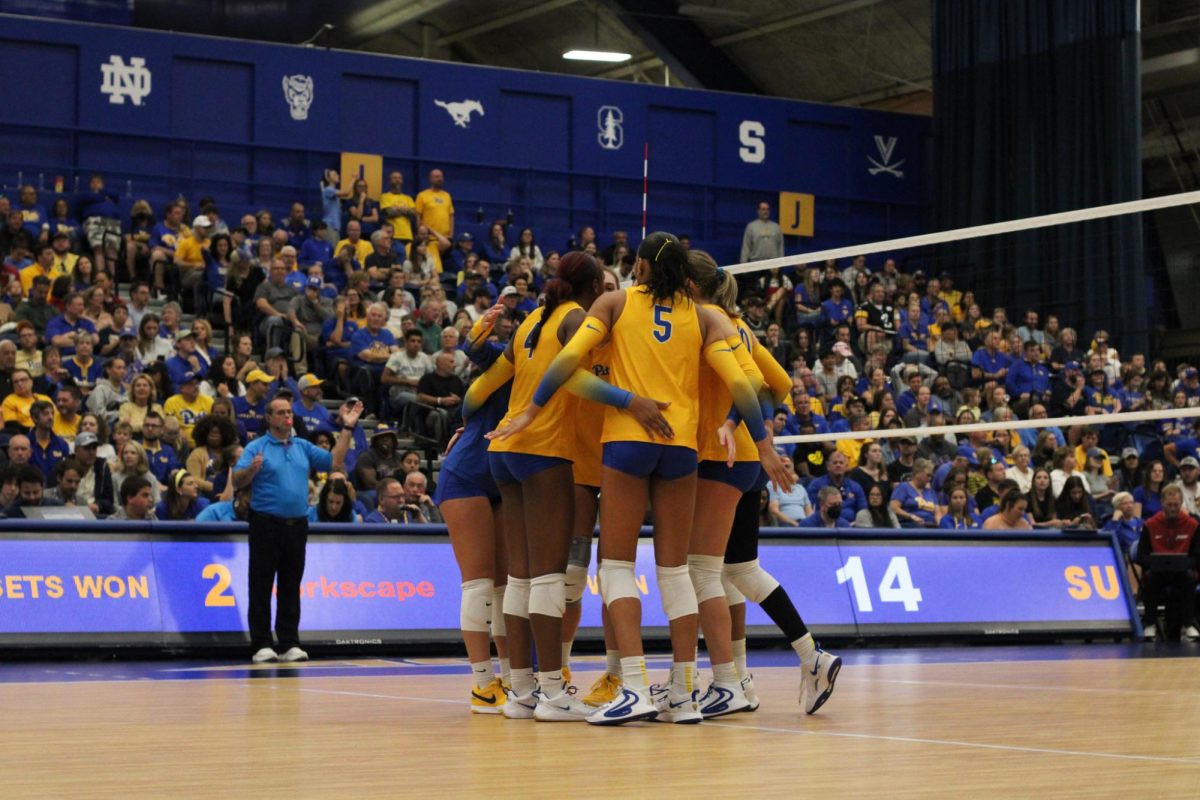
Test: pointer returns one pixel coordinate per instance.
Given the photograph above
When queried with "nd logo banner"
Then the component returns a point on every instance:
(796, 213)
(363, 166)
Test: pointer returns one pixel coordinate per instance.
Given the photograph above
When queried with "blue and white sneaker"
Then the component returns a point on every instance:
(520, 706)
(723, 698)
(680, 708)
(630, 705)
(817, 685)
(750, 692)
(564, 708)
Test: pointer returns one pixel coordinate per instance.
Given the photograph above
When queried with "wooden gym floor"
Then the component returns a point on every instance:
(1101, 721)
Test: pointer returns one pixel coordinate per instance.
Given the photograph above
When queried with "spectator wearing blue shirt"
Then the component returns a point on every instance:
(988, 364)
(276, 467)
(33, 217)
(1184, 446)
(331, 205)
(788, 509)
(183, 501)
(164, 238)
(389, 496)
(308, 407)
(1148, 496)
(854, 499)
(959, 516)
(85, 370)
(1100, 397)
(1029, 436)
(48, 449)
(297, 227)
(65, 329)
(374, 344)
(837, 309)
(250, 409)
(915, 501)
(159, 455)
(464, 245)
(829, 513)
(1125, 523)
(1028, 380)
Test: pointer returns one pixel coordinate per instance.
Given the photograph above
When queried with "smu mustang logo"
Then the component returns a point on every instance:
(123, 80)
(608, 120)
(298, 91)
(461, 112)
(886, 148)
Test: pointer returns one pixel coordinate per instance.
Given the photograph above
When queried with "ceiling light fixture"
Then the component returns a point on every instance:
(596, 55)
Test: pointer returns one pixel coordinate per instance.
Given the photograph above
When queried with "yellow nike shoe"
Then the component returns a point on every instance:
(604, 690)
(490, 699)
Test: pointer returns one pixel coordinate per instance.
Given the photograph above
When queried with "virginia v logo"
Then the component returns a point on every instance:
(460, 112)
(611, 134)
(886, 148)
(123, 80)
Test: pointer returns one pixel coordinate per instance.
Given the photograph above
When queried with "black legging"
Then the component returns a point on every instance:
(743, 547)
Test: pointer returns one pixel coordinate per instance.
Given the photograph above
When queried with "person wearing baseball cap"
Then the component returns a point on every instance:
(308, 408)
(382, 459)
(251, 408)
(95, 478)
(1189, 483)
(189, 406)
(188, 269)
(277, 368)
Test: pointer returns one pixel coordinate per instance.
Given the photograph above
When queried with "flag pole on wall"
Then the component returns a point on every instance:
(645, 182)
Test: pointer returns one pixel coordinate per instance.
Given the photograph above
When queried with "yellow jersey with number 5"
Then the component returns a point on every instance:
(550, 433)
(656, 354)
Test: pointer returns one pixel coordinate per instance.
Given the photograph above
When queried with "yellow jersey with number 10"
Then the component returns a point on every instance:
(656, 354)
(550, 433)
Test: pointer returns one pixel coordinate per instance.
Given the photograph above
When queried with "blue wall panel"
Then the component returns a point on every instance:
(254, 125)
(39, 82)
(214, 100)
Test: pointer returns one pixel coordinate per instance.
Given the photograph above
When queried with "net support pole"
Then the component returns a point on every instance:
(645, 182)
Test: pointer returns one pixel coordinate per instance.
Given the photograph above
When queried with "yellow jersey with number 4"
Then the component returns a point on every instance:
(550, 432)
(656, 354)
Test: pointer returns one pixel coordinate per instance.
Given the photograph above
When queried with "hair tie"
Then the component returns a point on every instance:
(659, 253)
(179, 476)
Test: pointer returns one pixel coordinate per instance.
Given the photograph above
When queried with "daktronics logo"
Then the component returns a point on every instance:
(325, 588)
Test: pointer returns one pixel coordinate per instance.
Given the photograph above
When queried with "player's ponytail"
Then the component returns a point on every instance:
(576, 271)
(669, 270)
(714, 283)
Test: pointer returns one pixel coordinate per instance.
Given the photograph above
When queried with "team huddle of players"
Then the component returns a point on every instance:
(605, 400)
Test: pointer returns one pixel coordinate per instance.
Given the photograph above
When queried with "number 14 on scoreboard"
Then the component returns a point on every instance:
(896, 586)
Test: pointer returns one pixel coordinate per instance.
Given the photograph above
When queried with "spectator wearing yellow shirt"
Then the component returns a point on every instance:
(64, 259)
(362, 247)
(435, 243)
(398, 209)
(189, 254)
(67, 401)
(189, 406)
(15, 408)
(435, 207)
(44, 266)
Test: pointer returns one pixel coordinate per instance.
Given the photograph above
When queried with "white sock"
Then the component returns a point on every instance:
(482, 672)
(566, 654)
(725, 673)
(683, 677)
(506, 671)
(739, 658)
(806, 648)
(612, 662)
(633, 673)
(551, 682)
(522, 681)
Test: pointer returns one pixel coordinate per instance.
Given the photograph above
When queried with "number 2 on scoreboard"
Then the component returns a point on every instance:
(217, 596)
(896, 586)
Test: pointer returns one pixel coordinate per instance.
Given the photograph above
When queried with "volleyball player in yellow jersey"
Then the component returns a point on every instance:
(658, 335)
(533, 471)
(587, 466)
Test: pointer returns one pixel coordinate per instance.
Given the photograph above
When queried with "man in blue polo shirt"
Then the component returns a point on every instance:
(62, 331)
(854, 499)
(276, 467)
(1028, 380)
(988, 364)
(48, 449)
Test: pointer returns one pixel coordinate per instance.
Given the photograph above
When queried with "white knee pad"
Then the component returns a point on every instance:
(516, 597)
(617, 581)
(576, 581)
(752, 580)
(678, 597)
(705, 572)
(475, 611)
(733, 595)
(548, 595)
(498, 628)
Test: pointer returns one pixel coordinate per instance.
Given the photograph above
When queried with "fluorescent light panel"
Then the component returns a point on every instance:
(596, 55)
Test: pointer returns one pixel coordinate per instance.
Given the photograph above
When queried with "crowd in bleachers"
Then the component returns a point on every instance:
(145, 345)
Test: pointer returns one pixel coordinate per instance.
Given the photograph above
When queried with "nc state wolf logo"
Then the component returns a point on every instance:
(460, 112)
(298, 91)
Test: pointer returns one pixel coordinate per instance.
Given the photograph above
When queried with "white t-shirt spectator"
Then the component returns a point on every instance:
(413, 367)
(795, 504)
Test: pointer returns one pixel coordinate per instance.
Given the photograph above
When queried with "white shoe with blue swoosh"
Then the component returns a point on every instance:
(564, 708)
(628, 706)
(679, 708)
(818, 681)
(520, 706)
(723, 698)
